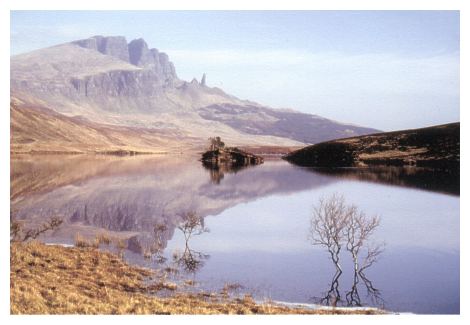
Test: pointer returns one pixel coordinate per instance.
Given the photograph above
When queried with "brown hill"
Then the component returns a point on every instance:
(436, 147)
(36, 129)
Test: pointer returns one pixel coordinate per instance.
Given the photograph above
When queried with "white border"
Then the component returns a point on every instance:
(7, 5)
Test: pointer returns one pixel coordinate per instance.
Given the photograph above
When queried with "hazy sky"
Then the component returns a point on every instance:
(383, 69)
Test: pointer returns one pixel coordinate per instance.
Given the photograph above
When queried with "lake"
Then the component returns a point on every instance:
(258, 222)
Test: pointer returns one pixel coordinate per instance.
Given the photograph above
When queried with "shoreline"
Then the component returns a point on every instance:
(53, 279)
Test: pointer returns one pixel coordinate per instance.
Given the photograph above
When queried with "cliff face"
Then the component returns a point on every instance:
(104, 73)
(114, 46)
(156, 73)
(136, 53)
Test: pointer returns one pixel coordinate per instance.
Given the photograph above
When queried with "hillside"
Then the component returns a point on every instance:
(435, 147)
(108, 81)
(40, 130)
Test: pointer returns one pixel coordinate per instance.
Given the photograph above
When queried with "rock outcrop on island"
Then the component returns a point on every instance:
(230, 157)
(108, 81)
(220, 159)
(436, 147)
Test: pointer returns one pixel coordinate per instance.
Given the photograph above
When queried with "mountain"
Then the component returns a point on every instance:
(111, 83)
(435, 147)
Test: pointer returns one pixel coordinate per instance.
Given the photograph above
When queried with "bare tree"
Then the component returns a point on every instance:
(327, 228)
(335, 224)
(192, 225)
(358, 230)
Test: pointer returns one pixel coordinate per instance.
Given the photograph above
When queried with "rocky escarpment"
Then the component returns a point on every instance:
(156, 73)
(114, 46)
(94, 74)
(435, 147)
(136, 52)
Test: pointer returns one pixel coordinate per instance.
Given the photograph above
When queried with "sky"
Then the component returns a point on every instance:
(384, 69)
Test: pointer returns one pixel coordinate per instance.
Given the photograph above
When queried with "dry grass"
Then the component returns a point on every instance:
(37, 129)
(58, 280)
(103, 238)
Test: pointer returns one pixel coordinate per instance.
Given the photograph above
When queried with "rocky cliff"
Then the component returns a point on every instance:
(136, 53)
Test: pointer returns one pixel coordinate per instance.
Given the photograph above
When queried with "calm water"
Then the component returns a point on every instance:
(259, 221)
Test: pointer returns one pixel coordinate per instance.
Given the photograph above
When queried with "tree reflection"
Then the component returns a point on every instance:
(190, 260)
(335, 225)
(216, 175)
(218, 171)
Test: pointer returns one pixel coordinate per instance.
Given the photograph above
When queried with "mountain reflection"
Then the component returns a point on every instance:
(129, 197)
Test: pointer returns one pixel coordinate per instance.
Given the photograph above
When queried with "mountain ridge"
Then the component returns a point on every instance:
(112, 82)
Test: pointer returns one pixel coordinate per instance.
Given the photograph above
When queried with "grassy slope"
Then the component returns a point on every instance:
(58, 280)
(38, 129)
(437, 146)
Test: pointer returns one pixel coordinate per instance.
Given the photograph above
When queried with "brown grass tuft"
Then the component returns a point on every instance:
(103, 238)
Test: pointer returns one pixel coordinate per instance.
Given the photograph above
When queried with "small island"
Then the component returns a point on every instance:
(228, 157)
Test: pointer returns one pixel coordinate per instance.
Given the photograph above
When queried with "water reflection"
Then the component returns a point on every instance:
(129, 197)
(258, 219)
(217, 172)
(153, 247)
(444, 181)
(191, 260)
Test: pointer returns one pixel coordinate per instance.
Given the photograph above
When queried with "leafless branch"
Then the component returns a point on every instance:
(18, 233)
